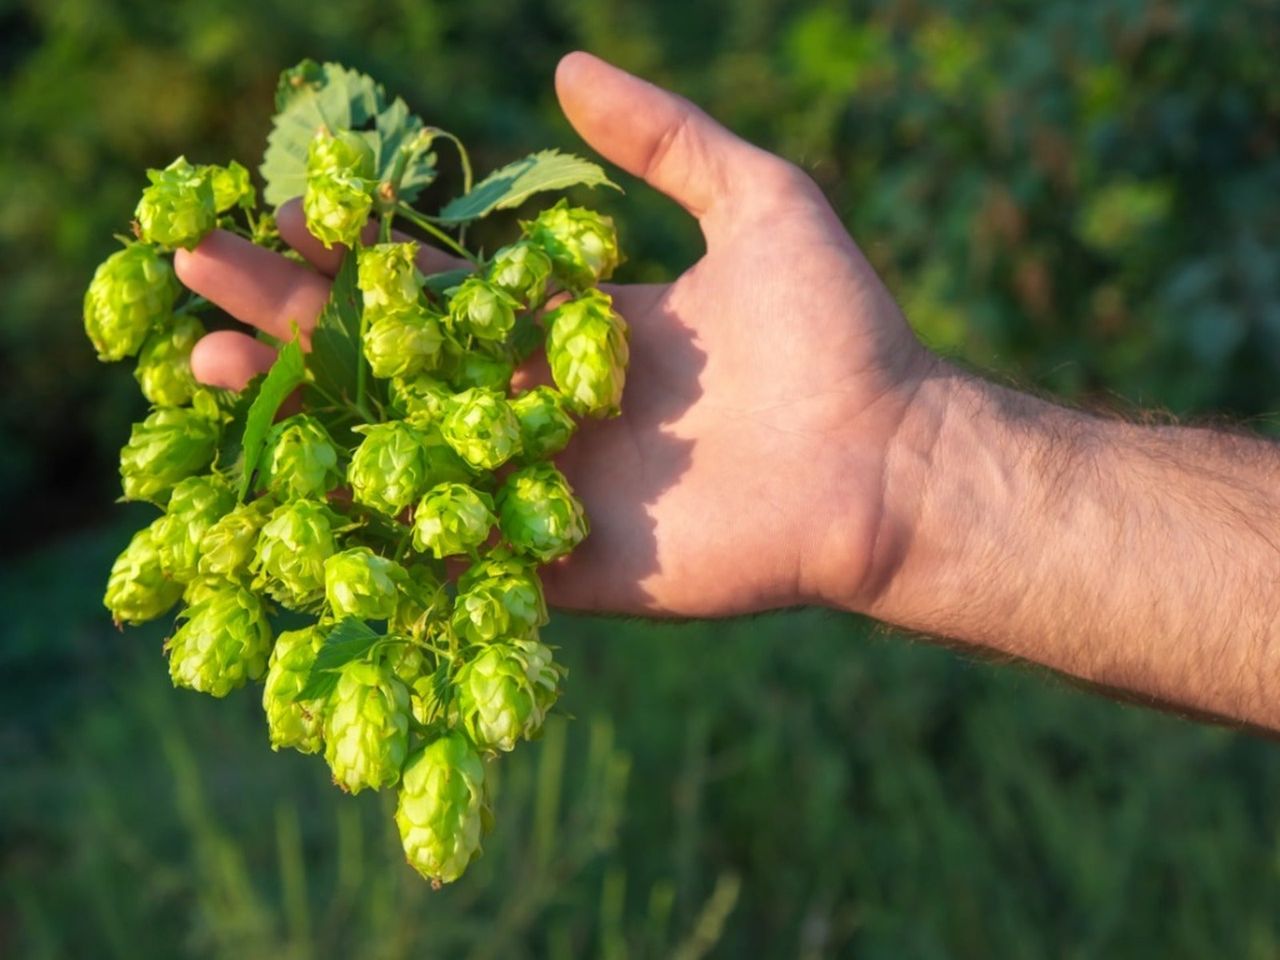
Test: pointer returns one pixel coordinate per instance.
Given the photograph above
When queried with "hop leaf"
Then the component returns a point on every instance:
(402, 344)
(366, 729)
(441, 808)
(171, 444)
(521, 270)
(504, 693)
(588, 353)
(137, 589)
(164, 366)
(481, 428)
(301, 460)
(481, 309)
(582, 244)
(545, 425)
(177, 210)
(131, 293)
(539, 514)
(452, 518)
(195, 505)
(293, 723)
(359, 583)
(227, 547)
(224, 641)
(289, 557)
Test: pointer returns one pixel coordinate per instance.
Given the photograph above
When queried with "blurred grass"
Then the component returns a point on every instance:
(1082, 195)
(796, 785)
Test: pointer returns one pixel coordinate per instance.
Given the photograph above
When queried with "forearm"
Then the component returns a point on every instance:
(1143, 558)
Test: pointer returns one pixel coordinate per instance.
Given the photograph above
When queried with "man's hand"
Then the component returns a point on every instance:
(785, 439)
(766, 384)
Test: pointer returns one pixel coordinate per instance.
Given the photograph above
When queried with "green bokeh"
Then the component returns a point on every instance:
(1083, 196)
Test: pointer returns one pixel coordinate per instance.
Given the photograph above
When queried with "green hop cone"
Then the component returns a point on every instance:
(472, 369)
(389, 468)
(388, 277)
(227, 547)
(171, 444)
(481, 428)
(484, 310)
(396, 463)
(291, 550)
(423, 602)
(441, 808)
(539, 514)
(588, 353)
(582, 244)
(342, 154)
(293, 723)
(301, 460)
(224, 641)
(452, 519)
(409, 662)
(521, 270)
(366, 727)
(499, 596)
(359, 583)
(504, 693)
(196, 504)
(545, 425)
(423, 398)
(177, 210)
(137, 589)
(231, 187)
(131, 293)
(339, 190)
(336, 208)
(164, 366)
(402, 344)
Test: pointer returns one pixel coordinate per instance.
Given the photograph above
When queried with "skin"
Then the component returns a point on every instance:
(786, 440)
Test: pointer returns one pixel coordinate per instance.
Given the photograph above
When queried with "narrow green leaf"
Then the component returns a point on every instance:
(285, 374)
(511, 185)
(335, 343)
(350, 639)
(438, 283)
(233, 433)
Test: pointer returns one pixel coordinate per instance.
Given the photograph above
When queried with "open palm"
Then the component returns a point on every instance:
(765, 387)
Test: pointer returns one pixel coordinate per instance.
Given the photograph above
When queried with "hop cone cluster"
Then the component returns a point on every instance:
(319, 549)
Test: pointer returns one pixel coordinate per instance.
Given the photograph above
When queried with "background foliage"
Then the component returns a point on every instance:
(1084, 196)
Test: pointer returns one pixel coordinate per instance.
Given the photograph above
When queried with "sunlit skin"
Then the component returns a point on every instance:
(785, 439)
(702, 494)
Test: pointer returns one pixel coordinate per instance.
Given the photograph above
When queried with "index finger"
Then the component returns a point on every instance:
(256, 286)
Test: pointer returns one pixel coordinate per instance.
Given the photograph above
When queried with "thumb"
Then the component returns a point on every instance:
(660, 137)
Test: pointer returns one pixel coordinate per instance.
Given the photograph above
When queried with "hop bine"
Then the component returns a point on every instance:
(321, 548)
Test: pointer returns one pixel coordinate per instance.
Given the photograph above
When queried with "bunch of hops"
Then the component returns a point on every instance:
(403, 513)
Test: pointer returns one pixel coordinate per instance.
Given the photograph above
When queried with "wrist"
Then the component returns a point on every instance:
(955, 473)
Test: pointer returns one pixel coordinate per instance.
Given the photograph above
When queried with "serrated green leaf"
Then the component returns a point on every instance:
(285, 374)
(438, 283)
(513, 184)
(335, 357)
(311, 96)
(233, 435)
(348, 640)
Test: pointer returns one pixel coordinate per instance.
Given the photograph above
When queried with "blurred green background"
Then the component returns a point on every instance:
(1083, 196)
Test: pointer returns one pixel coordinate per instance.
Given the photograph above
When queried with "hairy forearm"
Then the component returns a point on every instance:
(1145, 558)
